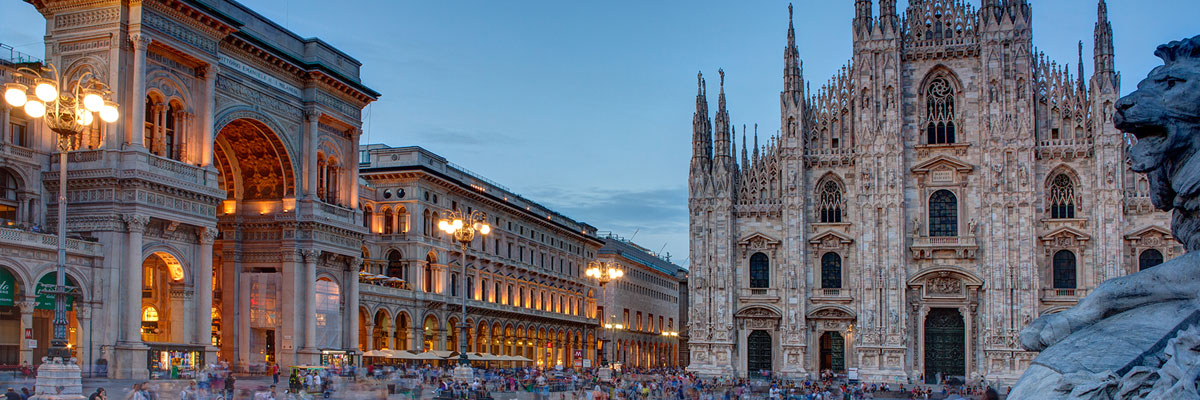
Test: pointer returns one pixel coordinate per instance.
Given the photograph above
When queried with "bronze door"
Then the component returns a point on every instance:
(758, 353)
(945, 345)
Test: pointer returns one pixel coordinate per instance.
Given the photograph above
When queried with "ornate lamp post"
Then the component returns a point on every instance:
(67, 113)
(604, 272)
(462, 228)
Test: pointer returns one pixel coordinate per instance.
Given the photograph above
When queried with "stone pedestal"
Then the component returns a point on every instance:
(58, 380)
(464, 373)
(129, 361)
(1110, 348)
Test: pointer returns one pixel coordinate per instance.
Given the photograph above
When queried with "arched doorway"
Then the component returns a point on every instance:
(43, 315)
(431, 333)
(945, 344)
(12, 293)
(163, 314)
(758, 350)
(833, 352)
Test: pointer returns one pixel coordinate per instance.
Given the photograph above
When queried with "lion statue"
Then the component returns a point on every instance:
(1113, 343)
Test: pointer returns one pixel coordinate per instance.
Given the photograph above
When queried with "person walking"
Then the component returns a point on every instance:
(100, 394)
(230, 383)
(275, 373)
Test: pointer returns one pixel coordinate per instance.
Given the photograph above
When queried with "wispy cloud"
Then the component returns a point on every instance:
(466, 138)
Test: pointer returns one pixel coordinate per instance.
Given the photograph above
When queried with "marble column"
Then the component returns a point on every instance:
(137, 100)
(204, 287)
(370, 345)
(351, 310)
(83, 344)
(177, 313)
(391, 336)
(209, 73)
(242, 330)
(312, 133)
(352, 161)
(136, 225)
(26, 323)
(309, 299)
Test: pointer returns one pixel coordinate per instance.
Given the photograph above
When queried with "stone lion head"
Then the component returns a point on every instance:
(1164, 115)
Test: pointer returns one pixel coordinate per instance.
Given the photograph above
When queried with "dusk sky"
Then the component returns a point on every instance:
(586, 107)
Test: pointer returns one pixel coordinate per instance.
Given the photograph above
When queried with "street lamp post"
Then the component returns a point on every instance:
(66, 113)
(462, 228)
(604, 272)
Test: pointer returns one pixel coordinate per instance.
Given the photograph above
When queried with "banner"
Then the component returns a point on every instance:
(45, 301)
(8, 286)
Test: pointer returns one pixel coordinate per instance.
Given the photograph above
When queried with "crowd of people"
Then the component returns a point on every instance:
(423, 381)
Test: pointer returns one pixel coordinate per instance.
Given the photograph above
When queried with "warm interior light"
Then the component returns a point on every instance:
(608, 326)
(14, 94)
(93, 102)
(46, 91)
(109, 112)
(35, 109)
(485, 229)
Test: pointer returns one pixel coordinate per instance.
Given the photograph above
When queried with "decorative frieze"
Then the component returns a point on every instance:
(182, 33)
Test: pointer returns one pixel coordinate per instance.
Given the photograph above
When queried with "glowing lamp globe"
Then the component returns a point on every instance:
(458, 224)
(93, 102)
(45, 92)
(84, 117)
(35, 109)
(109, 112)
(14, 94)
(485, 229)
(443, 225)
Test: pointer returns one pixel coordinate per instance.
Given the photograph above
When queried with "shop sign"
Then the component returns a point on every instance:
(45, 301)
(7, 288)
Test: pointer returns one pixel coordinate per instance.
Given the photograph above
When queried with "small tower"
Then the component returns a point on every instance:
(701, 131)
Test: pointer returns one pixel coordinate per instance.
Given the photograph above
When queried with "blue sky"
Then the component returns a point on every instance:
(586, 106)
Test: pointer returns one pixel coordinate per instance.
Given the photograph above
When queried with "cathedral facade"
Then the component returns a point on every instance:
(914, 213)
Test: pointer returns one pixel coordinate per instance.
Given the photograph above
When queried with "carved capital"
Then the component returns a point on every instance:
(82, 311)
(312, 115)
(27, 306)
(135, 223)
(309, 255)
(207, 235)
(355, 262)
(140, 41)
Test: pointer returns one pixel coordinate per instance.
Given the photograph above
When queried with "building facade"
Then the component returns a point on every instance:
(914, 213)
(208, 218)
(526, 290)
(645, 301)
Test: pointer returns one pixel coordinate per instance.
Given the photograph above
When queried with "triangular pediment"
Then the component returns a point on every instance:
(1149, 230)
(757, 239)
(1066, 231)
(831, 235)
(942, 162)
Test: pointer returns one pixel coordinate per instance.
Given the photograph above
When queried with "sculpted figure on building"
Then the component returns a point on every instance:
(946, 187)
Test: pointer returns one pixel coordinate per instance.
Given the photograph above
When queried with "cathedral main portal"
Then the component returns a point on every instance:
(758, 349)
(945, 347)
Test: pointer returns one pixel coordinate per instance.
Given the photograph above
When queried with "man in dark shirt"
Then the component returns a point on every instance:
(12, 395)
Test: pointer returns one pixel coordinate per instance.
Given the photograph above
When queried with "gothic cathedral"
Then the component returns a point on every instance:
(917, 211)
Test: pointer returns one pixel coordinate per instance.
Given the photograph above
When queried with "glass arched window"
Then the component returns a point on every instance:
(367, 215)
(1062, 197)
(831, 271)
(453, 284)
(830, 206)
(168, 149)
(388, 222)
(760, 272)
(8, 196)
(1149, 258)
(1064, 270)
(396, 267)
(943, 214)
(939, 112)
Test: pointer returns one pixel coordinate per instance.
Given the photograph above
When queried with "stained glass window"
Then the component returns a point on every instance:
(1149, 258)
(830, 206)
(760, 273)
(1064, 270)
(1062, 197)
(943, 214)
(939, 112)
(831, 271)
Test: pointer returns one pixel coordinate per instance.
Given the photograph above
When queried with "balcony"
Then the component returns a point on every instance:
(928, 247)
(831, 295)
(1063, 296)
(10, 237)
(762, 295)
(1065, 149)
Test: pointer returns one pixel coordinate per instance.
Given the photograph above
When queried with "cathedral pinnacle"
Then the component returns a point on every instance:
(1082, 89)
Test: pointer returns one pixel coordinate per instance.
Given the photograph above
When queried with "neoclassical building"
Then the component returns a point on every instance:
(217, 219)
(526, 292)
(646, 301)
(915, 212)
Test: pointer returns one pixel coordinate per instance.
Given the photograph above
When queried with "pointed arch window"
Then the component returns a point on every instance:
(943, 214)
(831, 202)
(1149, 258)
(1064, 270)
(1062, 197)
(831, 271)
(760, 272)
(939, 112)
